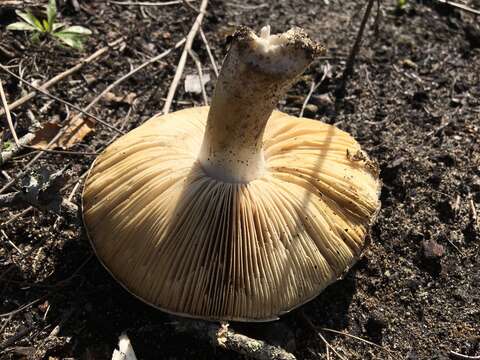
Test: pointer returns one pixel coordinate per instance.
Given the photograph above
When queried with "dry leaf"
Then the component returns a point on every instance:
(44, 135)
(76, 130)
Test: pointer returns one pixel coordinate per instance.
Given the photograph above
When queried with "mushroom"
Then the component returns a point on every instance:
(234, 211)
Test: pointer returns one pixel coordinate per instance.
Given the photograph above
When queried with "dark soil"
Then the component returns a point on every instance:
(414, 104)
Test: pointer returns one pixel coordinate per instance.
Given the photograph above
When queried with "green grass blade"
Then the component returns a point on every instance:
(21, 26)
(51, 14)
(73, 40)
(57, 26)
(31, 19)
(80, 30)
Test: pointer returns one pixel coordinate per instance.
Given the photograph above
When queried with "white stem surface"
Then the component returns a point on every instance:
(256, 73)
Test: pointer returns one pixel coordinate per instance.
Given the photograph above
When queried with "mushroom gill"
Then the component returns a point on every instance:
(234, 211)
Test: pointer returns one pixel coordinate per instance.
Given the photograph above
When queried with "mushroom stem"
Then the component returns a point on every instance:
(256, 73)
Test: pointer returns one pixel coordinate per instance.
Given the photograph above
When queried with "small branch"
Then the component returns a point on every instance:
(126, 76)
(209, 52)
(75, 5)
(22, 3)
(313, 87)
(10, 241)
(219, 335)
(247, 7)
(25, 140)
(198, 64)
(330, 347)
(62, 75)
(7, 155)
(341, 90)
(44, 92)
(190, 6)
(134, 71)
(183, 57)
(21, 308)
(15, 217)
(6, 110)
(307, 98)
(356, 338)
(473, 211)
(459, 6)
(320, 336)
(65, 152)
(19, 335)
(455, 355)
(35, 158)
(146, 3)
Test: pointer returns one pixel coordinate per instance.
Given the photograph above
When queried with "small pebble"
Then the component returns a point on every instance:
(310, 110)
(432, 250)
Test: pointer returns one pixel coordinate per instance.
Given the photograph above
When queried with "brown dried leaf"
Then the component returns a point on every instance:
(44, 135)
(76, 130)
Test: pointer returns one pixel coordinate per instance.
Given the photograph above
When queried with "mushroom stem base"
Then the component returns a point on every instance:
(235, 167)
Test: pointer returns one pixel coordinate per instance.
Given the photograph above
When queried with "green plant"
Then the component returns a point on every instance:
(7, 145)
(401, 4)
(72, 36)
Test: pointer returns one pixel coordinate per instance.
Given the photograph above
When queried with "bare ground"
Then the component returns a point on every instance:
(414, 104)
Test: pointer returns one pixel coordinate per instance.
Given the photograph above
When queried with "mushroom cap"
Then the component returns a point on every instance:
(195, 246)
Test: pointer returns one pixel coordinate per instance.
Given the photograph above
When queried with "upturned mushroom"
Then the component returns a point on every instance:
(234, 211)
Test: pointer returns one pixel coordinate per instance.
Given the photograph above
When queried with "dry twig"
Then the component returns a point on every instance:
(22, 3)
(198, 64)
(460, 6)
(146, 3)
(61, 76)
(190, 6)
(7, 155)
(247, 7)
(15, 217)
(473, 211)
(132, 72)
(320, 336)
(209, 52)
(65, 152)
(21, 308)
(340, 91)
(356, 338)
(455, 355)
(219, 335)
(328, 346)
(14, 149)
(313, 87)
(183, 57)
(9, 116)
(61, 132)
(96, 118)
(19, 335)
